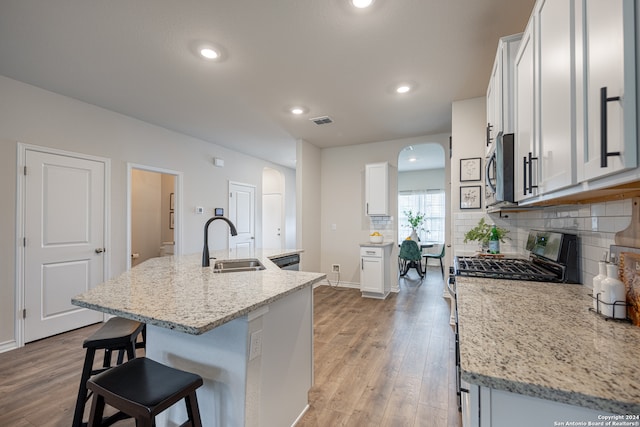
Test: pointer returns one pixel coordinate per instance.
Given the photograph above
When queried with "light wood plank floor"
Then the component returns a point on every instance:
(377, 363)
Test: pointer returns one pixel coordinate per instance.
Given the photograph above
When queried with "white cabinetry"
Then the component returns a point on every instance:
(606, 90)
(487, 407)
(525, 136)
(500, 100)
(377, 189)
(375, 280)
(556, 99)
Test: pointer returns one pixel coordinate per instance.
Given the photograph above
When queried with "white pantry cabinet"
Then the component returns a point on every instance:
(375, 280)
(606, 87)
(500, 89)
(377, 189)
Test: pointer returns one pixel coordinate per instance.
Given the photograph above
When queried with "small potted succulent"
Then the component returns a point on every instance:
(482, 232)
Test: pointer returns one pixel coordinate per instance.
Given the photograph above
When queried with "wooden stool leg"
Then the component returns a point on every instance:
(97, 410)
(192, 410)
(82, 389)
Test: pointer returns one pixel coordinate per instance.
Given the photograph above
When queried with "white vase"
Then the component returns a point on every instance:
(414, 235)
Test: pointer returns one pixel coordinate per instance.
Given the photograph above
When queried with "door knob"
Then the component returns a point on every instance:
(100, 250)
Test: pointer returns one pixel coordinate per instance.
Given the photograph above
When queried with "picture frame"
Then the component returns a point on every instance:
(470, 169)
(171, 220)
(172, 202)
(471, 197)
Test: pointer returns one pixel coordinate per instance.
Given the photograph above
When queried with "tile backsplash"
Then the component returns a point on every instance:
(595, 224)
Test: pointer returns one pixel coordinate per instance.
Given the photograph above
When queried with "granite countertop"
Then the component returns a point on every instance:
(176, 292)
(541, 340)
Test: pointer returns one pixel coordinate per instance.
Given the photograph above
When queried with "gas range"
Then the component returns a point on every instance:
(553, 258)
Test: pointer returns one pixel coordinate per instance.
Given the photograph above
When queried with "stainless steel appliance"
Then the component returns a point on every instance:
(287, 262)
(500, 172)
(553, 258)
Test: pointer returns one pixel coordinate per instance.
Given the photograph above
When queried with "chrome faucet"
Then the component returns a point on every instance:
(205, 250)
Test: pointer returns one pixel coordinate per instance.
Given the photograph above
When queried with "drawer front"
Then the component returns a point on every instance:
(372, 252)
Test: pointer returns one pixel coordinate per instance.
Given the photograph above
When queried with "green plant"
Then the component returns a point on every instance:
(415, 220)
(482, 232)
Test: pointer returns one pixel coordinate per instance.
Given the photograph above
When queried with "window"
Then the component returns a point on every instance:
(429, 202)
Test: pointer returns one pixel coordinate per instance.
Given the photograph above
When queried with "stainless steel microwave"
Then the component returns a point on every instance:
(500, 172)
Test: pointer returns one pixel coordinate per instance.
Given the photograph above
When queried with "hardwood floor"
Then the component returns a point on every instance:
(377, 363)
(383, 363)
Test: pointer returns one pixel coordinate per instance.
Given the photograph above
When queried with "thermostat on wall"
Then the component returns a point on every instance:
(219, 212)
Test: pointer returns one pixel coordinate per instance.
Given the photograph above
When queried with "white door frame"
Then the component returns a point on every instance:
(20, 224)
(177, 230)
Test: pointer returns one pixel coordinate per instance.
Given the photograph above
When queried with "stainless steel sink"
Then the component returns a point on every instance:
(237, 265)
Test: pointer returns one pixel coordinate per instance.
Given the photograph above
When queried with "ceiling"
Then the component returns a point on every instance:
(139, 58)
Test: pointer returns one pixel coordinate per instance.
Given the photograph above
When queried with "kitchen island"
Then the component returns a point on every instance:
(248, 334)
(536, 355)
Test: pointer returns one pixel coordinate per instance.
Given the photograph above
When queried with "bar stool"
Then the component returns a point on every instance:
(117, 334)
(143, 388)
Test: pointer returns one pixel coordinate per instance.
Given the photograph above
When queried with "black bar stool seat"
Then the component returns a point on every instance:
(115, 335)
(143, 388)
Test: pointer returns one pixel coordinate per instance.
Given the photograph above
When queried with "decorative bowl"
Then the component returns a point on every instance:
(376, 239)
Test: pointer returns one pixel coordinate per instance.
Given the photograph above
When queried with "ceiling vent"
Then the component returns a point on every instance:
(322, 120)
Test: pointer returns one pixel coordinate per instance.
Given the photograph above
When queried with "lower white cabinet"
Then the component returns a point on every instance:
(487, 407)
(375, 280)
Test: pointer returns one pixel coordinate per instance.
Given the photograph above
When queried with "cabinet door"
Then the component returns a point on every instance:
(607, 39)
(371, 275)
(377, 189)
(493, 114)
(525, 135)
(556, 84)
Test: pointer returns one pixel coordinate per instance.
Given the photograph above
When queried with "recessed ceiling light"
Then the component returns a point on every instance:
(361, 4)
(412, 159)
(403, 88)
(297, 110)
(209, 53)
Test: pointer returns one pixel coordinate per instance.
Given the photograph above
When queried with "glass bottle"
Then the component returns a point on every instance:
(494, 241)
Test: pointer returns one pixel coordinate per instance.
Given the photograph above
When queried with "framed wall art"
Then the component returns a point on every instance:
(470, 197)
(470, 169)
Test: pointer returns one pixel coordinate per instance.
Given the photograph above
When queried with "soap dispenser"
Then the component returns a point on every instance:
(613, 291)
(597, 286)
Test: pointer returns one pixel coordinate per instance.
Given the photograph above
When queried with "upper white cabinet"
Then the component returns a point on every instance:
(525, 137)
(606, 87)
(556, 99)
(575, 111)
(377, 189)
(500, 99)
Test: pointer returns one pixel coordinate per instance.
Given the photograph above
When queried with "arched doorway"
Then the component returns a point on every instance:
(422, 190)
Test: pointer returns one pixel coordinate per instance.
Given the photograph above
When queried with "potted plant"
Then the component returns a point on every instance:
(482, 232)
(415, 221)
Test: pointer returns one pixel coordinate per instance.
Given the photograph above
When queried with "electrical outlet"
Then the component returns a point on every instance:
(335, 268)
(255, 346)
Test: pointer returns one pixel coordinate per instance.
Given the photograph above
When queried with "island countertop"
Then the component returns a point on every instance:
(176, 292)
(541, 340)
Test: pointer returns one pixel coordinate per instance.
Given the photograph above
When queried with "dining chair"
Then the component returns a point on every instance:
(434, 255)
(410, 256)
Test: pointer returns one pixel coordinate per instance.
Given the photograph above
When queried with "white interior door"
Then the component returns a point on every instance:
(64, 223)
(272, 233)
(242, 212)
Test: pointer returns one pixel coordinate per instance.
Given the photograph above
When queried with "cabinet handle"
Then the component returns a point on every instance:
(489, 139)
(524, 175)
(361, 264)
(367, 208)
(604, 151)
(531, 159)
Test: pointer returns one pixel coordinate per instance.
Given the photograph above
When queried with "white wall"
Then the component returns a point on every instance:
(146, 215)
(308, 203)
(428, 179)
(34, 116)
(343, 203)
